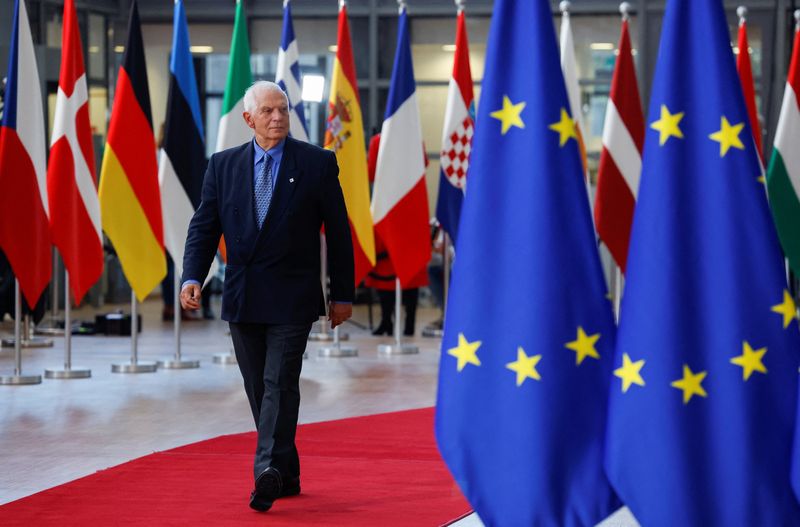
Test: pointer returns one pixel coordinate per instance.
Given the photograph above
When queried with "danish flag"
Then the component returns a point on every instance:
(71, 187)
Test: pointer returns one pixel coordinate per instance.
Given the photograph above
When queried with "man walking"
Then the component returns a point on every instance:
(270, 197)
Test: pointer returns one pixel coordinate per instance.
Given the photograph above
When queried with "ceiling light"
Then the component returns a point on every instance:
(313, 87)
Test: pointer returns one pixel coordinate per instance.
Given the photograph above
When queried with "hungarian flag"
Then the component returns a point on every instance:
(71, 186)
(621, 158)
(24, 228)
(399, 196)
(130, 202)
(783, 174)
(456, 136)
(748, 85)
(182, 161)
(233, 131)
(345, 136)
(287, 76)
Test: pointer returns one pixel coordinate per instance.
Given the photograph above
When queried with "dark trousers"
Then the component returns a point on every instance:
(409, 299)
(270, 358)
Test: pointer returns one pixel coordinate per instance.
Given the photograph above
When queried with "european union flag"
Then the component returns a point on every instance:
(705, 389)
(529, 336)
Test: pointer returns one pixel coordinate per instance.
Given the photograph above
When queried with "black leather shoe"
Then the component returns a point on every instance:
(291, 487)
(383, 329)
(268, 489)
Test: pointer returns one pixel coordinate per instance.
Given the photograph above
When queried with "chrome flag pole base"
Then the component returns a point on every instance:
(397, 349)
(139, 367)
(338, 351)
(17, 380)
(72, 373)
(179, 364)
(33, 342)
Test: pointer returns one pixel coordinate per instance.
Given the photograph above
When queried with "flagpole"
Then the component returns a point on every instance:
(336, 349)
(324, 335)
(446, 272)
(68, 372)
(18, 378)
(617, 291)
(177, 363)
(134, 366)
(432, 331)
(399, 347)
(52, 326)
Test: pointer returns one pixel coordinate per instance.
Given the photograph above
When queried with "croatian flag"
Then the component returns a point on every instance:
(288, 76)
(24, 224)
(74, 206)
(399, 196)
(457, 136)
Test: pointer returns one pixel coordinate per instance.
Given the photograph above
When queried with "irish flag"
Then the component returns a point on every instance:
(233, 131)
(345, 136)
(130, 200)
(783, 174)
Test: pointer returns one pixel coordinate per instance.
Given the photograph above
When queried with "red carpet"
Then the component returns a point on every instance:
(375, 470)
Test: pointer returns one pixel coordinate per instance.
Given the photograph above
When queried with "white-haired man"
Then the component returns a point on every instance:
(270, 197)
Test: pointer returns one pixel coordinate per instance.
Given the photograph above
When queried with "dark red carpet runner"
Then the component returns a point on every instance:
(375, 470)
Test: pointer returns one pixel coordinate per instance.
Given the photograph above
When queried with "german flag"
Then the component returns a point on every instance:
(130, 201)
(345, 136)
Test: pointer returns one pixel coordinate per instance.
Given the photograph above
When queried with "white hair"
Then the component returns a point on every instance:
(258, 87)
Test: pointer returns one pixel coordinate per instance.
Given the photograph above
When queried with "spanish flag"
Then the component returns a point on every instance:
(345, 136)
(130, 201)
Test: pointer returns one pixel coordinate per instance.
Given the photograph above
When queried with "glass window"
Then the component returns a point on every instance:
(53, 24)
(96, 45)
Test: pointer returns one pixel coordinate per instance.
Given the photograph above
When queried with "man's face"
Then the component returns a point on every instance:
(270, 120)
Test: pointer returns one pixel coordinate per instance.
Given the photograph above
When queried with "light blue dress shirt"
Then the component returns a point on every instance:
(276, 152)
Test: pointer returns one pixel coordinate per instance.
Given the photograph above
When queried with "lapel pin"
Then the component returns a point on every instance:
(291, 180)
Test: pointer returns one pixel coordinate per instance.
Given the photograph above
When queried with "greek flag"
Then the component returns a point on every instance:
(288, 76)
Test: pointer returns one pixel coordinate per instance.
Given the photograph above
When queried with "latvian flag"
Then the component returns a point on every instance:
(74, 207)
(130, 199)
(24, 226)
(288, 76)
(399, 196)
(621, 159)
(457, 136)
(783, 175)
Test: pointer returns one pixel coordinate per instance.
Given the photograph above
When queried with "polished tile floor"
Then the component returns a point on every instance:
(60, 430)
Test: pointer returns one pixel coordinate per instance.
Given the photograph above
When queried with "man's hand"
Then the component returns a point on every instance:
(190, 297)
(338, 313)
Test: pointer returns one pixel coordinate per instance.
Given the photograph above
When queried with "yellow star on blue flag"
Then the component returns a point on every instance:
(534, 394)
(708, 438)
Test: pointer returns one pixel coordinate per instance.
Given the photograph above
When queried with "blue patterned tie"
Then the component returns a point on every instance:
(263, 190)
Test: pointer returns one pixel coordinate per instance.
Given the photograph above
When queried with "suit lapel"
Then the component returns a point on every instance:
(245, 171)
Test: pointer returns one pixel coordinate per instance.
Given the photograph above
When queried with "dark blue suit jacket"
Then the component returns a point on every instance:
(273, 274)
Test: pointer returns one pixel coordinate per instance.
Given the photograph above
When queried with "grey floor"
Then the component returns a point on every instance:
(60, 430)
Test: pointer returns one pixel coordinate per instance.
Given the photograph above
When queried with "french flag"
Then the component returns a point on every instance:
(459, 125)
(399, 196)
(24, 224)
